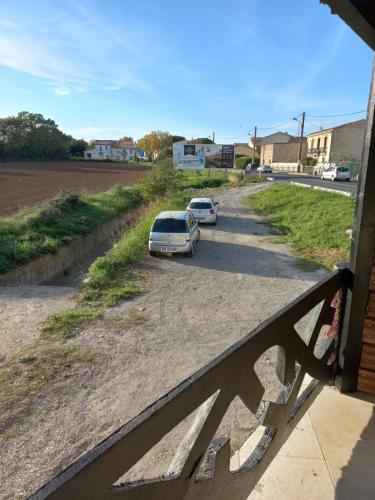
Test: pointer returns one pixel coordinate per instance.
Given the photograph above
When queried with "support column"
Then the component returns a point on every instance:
(362, 254)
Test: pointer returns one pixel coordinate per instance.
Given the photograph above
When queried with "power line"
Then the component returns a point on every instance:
(276, 126)
(337, 116)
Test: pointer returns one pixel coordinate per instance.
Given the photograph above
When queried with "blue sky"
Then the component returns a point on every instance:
(114, 68)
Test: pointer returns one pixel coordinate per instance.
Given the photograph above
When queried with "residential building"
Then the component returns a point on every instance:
(114, 150)
(258, 144)
(336, 144)
(242, 149)
(281, 148)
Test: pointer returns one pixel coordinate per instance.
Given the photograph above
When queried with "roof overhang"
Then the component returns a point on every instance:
(359, 15)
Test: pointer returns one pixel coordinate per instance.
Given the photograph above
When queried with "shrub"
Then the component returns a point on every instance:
(163, 178)
(242, 161)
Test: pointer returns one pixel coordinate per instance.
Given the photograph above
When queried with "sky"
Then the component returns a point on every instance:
(120, 67)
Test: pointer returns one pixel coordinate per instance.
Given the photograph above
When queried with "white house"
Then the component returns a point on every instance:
(114, 150)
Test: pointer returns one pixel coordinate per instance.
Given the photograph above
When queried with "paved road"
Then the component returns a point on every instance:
(350, 187)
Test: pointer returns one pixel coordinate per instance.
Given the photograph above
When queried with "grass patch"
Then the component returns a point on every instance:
(311, 221)
(57, 222)
(25, 375)
(110, 278)
(67, 324)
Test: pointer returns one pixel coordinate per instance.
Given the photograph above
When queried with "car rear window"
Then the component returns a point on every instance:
(200, 205)
(343, 169)
(170, 225)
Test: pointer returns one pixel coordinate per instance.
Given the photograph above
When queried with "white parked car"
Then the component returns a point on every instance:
(265, 169)
(204, 210)
(336, 174)
(174, 232)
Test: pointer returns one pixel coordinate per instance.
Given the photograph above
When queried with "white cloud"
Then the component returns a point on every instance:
(73, 50)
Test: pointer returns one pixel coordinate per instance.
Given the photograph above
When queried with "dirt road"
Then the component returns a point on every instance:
(195, 308)
(26, 183)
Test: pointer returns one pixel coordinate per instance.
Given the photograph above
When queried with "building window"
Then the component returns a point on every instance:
(100, 148)
(318, 145)
(312, 144)
(325, 142)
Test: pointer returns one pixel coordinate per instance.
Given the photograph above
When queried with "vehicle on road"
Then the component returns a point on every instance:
(336, 174)
(251, 167)
(174, 232)
(204, 210)
(265, 169)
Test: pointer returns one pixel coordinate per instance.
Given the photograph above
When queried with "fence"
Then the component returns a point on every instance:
(200, 468)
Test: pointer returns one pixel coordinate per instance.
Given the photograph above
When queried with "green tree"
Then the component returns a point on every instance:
(203, 140)
(126, 138)
(31, 136)
(77, 146)
(178, 138)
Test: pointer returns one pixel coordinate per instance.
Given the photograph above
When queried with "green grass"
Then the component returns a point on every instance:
(311, 221)
(57, 222)
(67, 324)
(27, 374)
(110, 278)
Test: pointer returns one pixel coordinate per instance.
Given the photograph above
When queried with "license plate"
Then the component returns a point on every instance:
(168, 249)
(200, 218)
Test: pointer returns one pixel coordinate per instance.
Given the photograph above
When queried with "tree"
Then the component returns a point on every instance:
(126, 138)
(77, 146)
(203, 140)
(178, 138)
(156, 144)
(31, 136)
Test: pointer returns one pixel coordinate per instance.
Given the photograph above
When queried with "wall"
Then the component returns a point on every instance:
(47, 267)
(266, 154)
(347, 141)
(288, 153)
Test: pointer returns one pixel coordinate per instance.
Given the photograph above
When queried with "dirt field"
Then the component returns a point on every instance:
(194, 309)
(24, 184)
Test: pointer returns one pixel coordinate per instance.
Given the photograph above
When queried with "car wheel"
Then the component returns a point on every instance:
(347, 180)
(190, 253)
(198, 235)
(153, 254)
(214, 223)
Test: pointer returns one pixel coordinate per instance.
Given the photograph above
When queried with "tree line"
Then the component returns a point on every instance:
(31, 136)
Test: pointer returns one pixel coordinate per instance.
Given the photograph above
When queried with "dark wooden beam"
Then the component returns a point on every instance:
(358, 15)
(362, 255)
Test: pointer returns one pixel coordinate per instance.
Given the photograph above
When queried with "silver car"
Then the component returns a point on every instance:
(174, 232)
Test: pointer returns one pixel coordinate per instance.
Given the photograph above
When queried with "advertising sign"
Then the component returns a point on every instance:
(199, 156)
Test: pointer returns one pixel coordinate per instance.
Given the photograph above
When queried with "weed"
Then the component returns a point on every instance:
(21, 383)
(66, 324)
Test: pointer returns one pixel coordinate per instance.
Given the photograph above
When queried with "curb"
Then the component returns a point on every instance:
(319, 188)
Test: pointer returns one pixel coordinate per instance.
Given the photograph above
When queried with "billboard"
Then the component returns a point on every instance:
(199, 156)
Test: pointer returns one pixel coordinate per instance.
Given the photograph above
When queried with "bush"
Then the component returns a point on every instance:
(242, 161)
(163, 178)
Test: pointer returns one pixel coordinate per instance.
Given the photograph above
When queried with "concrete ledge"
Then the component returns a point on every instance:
(48, 266)
(319, 188)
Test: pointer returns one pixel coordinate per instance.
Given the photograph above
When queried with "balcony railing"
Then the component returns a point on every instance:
(200, 468)
(317, 151)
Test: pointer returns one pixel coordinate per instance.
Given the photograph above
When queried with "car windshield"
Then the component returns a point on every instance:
(169, 225)
(201, 205)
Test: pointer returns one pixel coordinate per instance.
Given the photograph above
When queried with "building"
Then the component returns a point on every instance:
(114, 150)
(281, 148)
(336, 144)
(242, 149)
(258, 145)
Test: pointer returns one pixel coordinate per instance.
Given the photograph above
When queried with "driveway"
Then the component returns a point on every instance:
(194, 309)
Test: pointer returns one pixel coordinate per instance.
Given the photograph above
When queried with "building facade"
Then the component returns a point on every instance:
(341, 143)
(281, 148)
(114, 150)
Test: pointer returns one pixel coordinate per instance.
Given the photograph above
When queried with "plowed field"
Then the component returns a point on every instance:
(25, 184)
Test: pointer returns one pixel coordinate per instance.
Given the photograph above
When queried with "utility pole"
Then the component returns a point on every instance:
(213, 137)
(301, 141)
(255, 138)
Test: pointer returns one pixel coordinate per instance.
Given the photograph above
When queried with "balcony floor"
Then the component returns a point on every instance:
(330, 454)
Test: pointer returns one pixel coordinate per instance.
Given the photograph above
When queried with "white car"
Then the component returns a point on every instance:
(336, 174)
(265, 169)
(204, 210)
